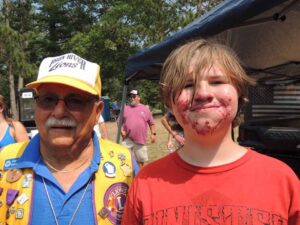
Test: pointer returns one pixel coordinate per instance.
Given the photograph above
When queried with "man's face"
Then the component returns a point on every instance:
(64, 125)
(134, 99)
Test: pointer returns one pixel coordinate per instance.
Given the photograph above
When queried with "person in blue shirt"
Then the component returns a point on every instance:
(65, 174)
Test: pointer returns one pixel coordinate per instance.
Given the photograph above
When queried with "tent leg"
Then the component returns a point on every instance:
(120, 121)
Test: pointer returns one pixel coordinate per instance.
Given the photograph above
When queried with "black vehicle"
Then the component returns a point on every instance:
(272, 119)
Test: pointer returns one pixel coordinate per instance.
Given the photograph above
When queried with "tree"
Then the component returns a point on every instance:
(106, 32)
(13, 48)
(126, 26)
(134, 24)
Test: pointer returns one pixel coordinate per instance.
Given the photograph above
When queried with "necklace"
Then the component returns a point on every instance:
(51, 205)
(65, 171)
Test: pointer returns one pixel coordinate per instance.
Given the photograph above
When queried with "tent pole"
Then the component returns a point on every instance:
(120, 121)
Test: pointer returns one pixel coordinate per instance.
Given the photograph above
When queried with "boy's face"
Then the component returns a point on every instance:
(209, 105)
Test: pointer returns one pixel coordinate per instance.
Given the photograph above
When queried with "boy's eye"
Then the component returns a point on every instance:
(216, 82)
(189, 85)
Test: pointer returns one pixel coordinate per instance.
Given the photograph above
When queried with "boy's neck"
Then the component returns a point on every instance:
(211, 152)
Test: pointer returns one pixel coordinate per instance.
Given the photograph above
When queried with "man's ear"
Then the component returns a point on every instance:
(99, 109)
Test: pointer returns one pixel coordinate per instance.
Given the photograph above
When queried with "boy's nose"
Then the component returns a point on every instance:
(203, 92)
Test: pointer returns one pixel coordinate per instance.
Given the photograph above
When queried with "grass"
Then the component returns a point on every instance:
(155, 150)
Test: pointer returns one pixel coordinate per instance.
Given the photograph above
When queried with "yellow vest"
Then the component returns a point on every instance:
(109, 189)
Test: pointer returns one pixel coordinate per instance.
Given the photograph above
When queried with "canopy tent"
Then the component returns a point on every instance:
(264, 34)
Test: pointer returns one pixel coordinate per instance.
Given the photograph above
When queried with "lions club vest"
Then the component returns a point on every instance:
(110, 185)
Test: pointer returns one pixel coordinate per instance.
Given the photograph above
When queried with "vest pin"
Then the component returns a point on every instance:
(13, 175)
(103, 212)
(19, 213)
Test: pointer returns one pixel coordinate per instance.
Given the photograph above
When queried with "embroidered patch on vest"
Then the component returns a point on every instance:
(114, 201)
(10, 163)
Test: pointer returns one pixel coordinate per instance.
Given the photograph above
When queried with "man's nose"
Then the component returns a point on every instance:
(60, 108)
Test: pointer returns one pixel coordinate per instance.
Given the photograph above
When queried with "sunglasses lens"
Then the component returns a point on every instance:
(72, 102)
(75, 103)
(47, 101)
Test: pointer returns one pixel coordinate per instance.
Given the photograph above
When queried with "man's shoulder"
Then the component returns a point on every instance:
(13, 148)
(12, 151)
(107, 144)
(127, 108)
(143, 108)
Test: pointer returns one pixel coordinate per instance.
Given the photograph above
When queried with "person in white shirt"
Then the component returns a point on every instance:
(100, 128)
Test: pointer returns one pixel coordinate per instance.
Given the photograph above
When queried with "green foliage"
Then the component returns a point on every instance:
(149, 92)
(15, 38)
(3, 85)
(106, 32)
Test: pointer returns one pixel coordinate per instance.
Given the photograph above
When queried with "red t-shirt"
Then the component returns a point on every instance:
(256, 189)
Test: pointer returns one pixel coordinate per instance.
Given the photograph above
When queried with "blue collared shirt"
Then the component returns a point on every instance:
(64, 204)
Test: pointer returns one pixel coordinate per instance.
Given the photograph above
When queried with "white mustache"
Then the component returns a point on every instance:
(65, 122)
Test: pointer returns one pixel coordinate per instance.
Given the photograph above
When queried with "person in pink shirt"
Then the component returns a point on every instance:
(137, 117)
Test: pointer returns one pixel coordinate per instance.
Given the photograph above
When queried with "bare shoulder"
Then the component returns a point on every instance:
(18, 125)
(19, 131)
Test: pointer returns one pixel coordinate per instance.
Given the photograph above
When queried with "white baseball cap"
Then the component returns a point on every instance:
(134, 92)
(71, 70)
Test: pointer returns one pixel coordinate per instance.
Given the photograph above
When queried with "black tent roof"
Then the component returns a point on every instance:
(229, 15)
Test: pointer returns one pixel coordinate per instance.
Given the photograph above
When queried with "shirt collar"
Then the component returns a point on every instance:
(31, 156)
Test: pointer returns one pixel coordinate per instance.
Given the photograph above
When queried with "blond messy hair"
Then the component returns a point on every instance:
(204, 53)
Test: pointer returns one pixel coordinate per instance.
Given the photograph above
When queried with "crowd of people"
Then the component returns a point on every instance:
(70, 173)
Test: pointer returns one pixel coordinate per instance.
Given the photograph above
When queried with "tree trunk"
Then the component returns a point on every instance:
(20, 83)
(10, 73)
(12, 93)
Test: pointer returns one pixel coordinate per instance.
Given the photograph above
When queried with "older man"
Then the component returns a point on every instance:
(65, 175)
(136, 118)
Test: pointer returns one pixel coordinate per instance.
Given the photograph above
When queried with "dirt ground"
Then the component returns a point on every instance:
(155, 150)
